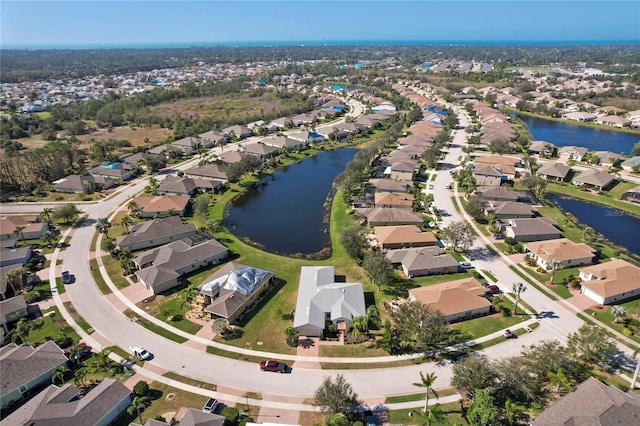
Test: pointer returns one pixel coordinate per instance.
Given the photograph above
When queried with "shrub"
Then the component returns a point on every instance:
(627, 332)
(230, 415)
(141, 388)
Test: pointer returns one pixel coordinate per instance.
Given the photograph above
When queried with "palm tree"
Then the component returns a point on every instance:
(134, 208)
(46, 213)
(491, 218)
(80, 375)
(518, 289)
(373, 315)
(427, 381)
(188, 294)
(18, 232)
(101, 360)
(12, 278)
(103, 225)
(435, 415)
(47, 237)
(559, 378)
(618, 312)
(126, 221)
(21, 331)
(138, 405)
(59, 374)
(291, 334)
(554, 265)
(513, 411)
(361, 323)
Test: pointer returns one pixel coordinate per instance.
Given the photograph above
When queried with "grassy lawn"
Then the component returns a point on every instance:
(155, 328)
(360, 350)
(77, 318)
(484, 326)
(171, 310)
(631, 321)
(114, 270)
(452, 411)
(97, 276)
(48, 327)
(419, 396)
(606, 199)
(558, 288)
(189, 381)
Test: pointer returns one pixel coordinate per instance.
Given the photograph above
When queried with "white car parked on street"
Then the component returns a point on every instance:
(140, 352)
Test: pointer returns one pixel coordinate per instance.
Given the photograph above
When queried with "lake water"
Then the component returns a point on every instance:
(617, 226)
(286, 215)
(563, 134)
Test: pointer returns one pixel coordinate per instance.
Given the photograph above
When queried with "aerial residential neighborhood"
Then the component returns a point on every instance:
(329, 232)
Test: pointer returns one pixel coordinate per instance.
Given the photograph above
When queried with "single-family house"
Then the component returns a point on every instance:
(597, 179)
(608, 158)
(66, 405)
(192, 417)
(534, 229)
(285, 142)
(22, 227)
(420, 261)
(240, 131)
(307, 137)
(189, 185)
(24, 368)
(160, 269)
(11, 310)
(630, 163)
(211, 171)
(233, 288)
(213, 138)
(75, 184)
(114, 170)
(401, 170)
(14, 255)
(393, 199)
(509, 209)
(488, 176)
(260, 150)
(592, 403)
(579, 116)
(227, 158)
(154, 233)
(563, 251)
(610, 282)
(542, 148)
(506, 166)
(554, 171)
(632, 195)
(502, 194)
(388, 185)
(322, 300)
(403, 236)
(378, 216)
(138, 159)
(161, 205)
(456, 300)
(574, 153)
(614, 120)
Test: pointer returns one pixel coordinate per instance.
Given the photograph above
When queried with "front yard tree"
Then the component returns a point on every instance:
(291, 335)
(426, 381)
(377, 267)
(66, 212)
(419, 328)
(518, 289)
(591, 343)
(475, 207)
(458, 235)
(336, 396)
(103, 225)
(473, 373)
(353, 242)
(618, 312)
(482, 410)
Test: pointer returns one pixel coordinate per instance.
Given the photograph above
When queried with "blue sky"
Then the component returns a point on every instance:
(27, 23)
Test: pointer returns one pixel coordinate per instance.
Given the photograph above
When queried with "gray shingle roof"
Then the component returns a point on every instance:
(21, 364)
(155, 229)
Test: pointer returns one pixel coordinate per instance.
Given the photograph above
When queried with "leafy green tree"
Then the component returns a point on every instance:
(201, 207)
(435, 414)
(141, 388)
(499, 146)
(513, 412)
(21, 331)
(418, 328)
(592, 344)
(291, 335)
(482, 411)
(66, 212)
(427, 381)
(80, 375)
(472, 373)
(377, 267)
(353, 242)
(458, 235)
(475, 207)
(557, 379)
(336, 396)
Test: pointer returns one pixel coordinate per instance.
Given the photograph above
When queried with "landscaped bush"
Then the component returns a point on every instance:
(230, 415)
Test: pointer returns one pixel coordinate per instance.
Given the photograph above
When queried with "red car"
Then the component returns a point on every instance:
(493, 289)
(272, 365)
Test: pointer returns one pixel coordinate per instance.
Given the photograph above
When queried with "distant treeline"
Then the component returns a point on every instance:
(42, 65)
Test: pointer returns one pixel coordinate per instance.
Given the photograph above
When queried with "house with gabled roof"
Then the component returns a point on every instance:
(542, 147)
(592, 403)
(285, 142)
(260, 150)
(509, 209)
(403, 236)
(420, 261)
(554, 171)
(75, 184)
(11, 310)
(189, 185)
(597, 179)
(565, 252)
(393, 199)
(65, 405)
(161, 205)
(160, 269)
(233, 288)
(117, 170)
(154, 233)
(610, 282)
(379, 216)
(402, 170)
(33, 228)
(632, 195)
(322, 300)
(456, 300)
(502, 194)
(240, 131)
(24, 368)
(534, 229)
(630, 163)
(575, 153)
(217, 171)
(614, 120)
(387, 185)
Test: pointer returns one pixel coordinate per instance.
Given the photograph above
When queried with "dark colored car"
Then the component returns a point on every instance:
(67, 278)
(272, 365)
(493, 289)
(82, 354)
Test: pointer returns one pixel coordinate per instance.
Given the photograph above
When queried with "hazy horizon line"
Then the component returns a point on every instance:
(301, 43)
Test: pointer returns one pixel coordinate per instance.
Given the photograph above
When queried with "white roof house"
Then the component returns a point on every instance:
(322, 299)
